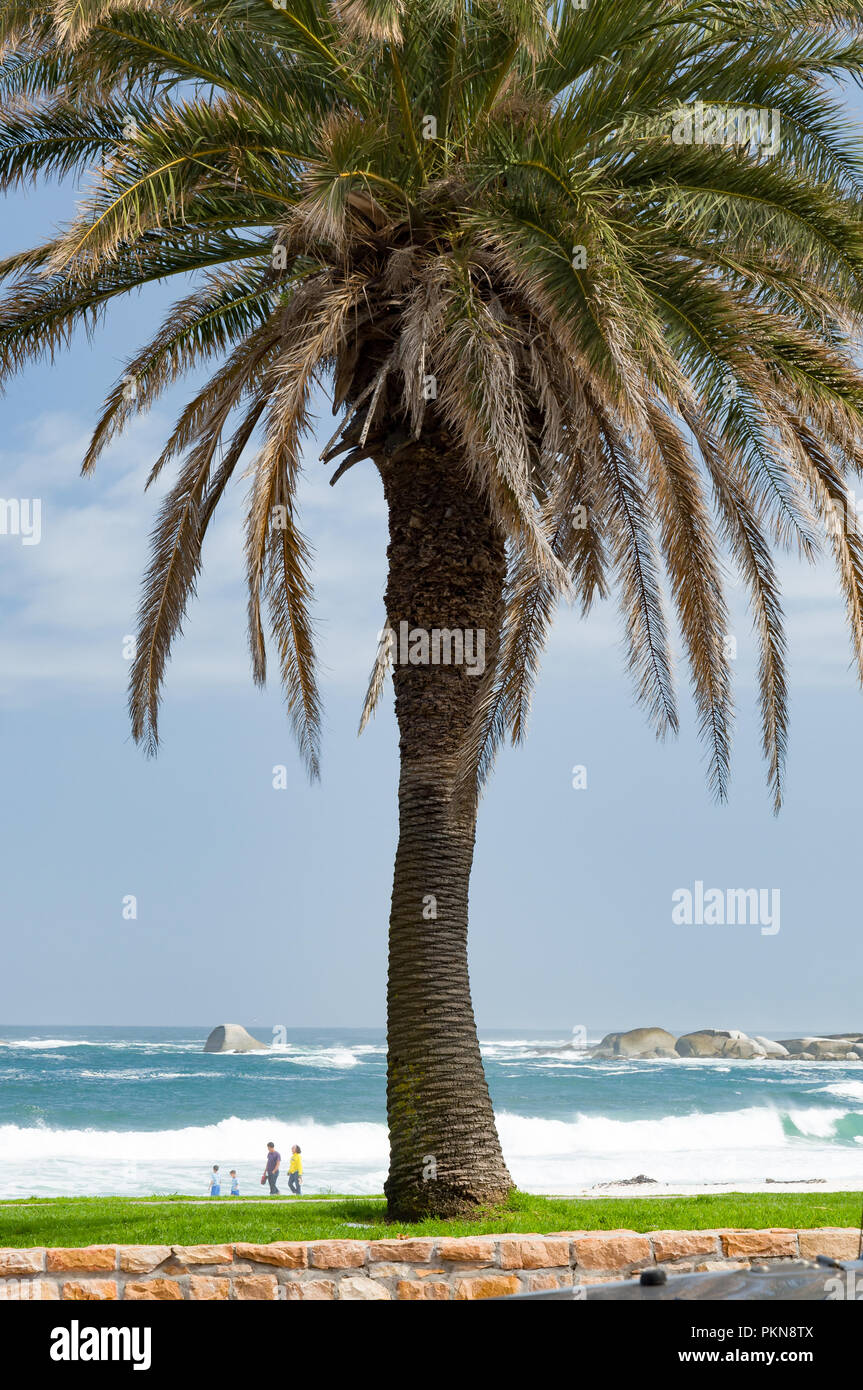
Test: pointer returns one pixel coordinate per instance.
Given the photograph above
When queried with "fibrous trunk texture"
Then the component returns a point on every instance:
(446, 574)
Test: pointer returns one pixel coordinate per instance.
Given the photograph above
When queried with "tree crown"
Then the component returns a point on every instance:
(611, 255)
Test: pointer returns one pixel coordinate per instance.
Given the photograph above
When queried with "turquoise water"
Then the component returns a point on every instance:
(139, 1110)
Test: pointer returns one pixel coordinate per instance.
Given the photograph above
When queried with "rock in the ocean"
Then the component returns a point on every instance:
(771, 1048)
(704, 1043)
(714, 1042)
(640, 1181)
(232, 1037)
(822, 1049)
(794, 1046)
(638, 1042)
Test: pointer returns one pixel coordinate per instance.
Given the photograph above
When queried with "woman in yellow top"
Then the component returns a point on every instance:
(295, 1171)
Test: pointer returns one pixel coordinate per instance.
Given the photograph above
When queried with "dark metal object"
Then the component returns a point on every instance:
(800, 1281)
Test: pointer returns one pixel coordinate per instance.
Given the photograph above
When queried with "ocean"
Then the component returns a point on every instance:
(145, 1110)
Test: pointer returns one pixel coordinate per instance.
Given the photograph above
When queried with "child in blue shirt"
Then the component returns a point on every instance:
(215, 1182)
(235, 1186)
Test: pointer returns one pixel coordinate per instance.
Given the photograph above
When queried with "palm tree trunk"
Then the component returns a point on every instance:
(446, 572)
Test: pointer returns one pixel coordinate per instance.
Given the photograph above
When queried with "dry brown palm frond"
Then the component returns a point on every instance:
(570, 442)
(170, 581)
(73, 19)
(234, 452)
(422, 323)
(628, 521)
(532, 599)
(289, 594)
(548, 392)
(167, 357)
(341, 205)
(738, 513)
(276, 553)
(481, 398)
(245, 370)
(400, 271)
(686, 531)
(830, 498)
(505, 697)
(378, 676)
(624, 333)
(376, 20)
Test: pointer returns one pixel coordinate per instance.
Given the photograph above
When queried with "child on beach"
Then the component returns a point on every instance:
(215, 1182)
(235, 1186)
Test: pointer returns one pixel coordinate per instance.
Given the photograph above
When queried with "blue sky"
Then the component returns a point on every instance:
(270, 907)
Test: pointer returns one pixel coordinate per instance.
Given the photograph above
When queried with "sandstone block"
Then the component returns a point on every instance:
(414, 1252)
(204, 1288)
(89, 1290)
(418, 1290)
(358, 1287)
(476, 1250)
(840, 1243)
(678, 1245)
(612, 1250)
(83, 1257)
(21, 1262)
(142, 1259)
(486, 1286)
(532, 1252)
(204, 1254)
(154, 1291)
(336, 1254)
(538, 1283)
(310, 1290)
(261, 1287)
(287, 1254)
(748, 1243)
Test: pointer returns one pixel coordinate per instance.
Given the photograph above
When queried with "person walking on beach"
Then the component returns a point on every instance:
(215, 1182)
(295, 1171)
(235, 1186)
(271, 1172)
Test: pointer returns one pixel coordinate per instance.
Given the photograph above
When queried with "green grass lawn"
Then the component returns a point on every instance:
(178, 1221)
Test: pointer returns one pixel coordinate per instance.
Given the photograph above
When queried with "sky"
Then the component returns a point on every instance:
(268, 906)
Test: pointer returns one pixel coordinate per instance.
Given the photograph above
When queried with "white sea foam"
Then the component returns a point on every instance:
(821, 1124)
(845, 1090)
(544, 1155)
(327, 1057)
(240, 1138)
(37, 1159)
(60, 1048)
(336, 1057)
(130, 1074)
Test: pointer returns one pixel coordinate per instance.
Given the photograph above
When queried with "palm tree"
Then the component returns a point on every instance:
(593, 336)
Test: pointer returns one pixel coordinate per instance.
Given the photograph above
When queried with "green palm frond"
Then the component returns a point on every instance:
(486, 228)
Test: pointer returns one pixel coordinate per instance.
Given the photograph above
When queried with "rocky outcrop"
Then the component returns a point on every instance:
(232, 1037)
(729, 1042)
(715, 1042)
(638, 1042)
(771, 1048)
(833, 1048)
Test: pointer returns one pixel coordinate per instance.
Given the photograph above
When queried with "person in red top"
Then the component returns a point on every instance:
(271, 1172)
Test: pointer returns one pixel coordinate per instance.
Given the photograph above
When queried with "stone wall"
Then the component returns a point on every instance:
(410, 1268)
